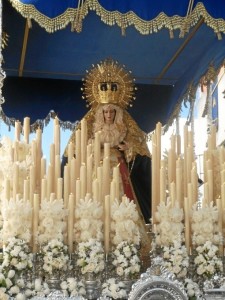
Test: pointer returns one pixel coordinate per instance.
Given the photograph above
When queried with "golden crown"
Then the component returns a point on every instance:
(109, 82)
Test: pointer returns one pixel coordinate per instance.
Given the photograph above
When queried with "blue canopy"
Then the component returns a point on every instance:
(168, 45)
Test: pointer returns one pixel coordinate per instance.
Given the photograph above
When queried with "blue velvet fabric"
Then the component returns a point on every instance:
(51, 8)
(145, 9)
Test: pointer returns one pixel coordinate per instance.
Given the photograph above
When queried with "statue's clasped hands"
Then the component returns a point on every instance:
(123, 146)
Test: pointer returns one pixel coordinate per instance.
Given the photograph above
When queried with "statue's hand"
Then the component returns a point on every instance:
(123, 146)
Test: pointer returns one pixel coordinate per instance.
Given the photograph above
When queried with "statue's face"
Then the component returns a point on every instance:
(109, 115)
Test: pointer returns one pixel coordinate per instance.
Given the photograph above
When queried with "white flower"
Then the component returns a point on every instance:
(124, 225)
(126, 260)
(52, 220)
(191, 288)
(205, 225)
(114, 289)
(90, 256)
(55, 256)
(207, 262)
(3, 296)
(170, 226)
(176, 259)
(72, 287)
(20, 296)
(11, 273)
(88, 220)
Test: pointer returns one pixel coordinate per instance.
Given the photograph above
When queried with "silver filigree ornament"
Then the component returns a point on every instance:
(58, 295)
(158, 284)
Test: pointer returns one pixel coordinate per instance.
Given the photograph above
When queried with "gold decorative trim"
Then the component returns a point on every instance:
(71, 15)
(40, 123)
(160, 22)
(122, 20)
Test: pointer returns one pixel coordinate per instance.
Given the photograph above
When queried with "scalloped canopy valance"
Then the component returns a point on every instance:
(146, 16)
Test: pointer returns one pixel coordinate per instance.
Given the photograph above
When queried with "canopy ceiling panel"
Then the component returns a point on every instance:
(167, 44)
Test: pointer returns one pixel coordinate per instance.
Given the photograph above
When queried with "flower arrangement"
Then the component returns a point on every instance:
(176, 259)
(124, 222)
(126, 260)
(205, 225)
(113, 289)
(51, 220)
(170, 224)
(17, 221)
(55, 256)
(90, 256)
(17, 256)
(207, 262)
(3, 287)
(17, 260)
(192, 289)
(89, 223)
(71, 287)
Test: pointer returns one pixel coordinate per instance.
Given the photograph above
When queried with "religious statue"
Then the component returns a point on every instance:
(109, 89)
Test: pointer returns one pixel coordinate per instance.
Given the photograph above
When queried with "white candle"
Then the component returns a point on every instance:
(49, 181)
(162, 185)
(78, 148)
(112, 191)
(89, 173)
(70, 222)
(107, 224)
(66, 185)
(32, 182)
(187, 224)
(97, 150)
(57, 170)
(106, 177)
(43, 189)
(15, 180)
(39, 154)
(57, 138)
(17, 130)
(83, 178)
(220, 221)
(70, 152)
(100, 181)
(73, 176)
(179, 182)
(78, 190)
(173, 193)
(52, 163)
(43, 167)
(210, 184)
(83, 140)
(95, 189)
(89, 149)
(190, 195)
(26, 129)
(36, 205)
(106, 149)
(26, 184)
(116, 178)
(59, 188)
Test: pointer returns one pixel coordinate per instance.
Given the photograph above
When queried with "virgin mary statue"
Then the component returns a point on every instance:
(109, 89)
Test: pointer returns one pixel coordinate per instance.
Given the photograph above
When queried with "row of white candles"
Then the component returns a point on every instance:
(45, 182)
(178, 178)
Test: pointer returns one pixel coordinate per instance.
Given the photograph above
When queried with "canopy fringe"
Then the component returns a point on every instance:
(76, 15)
